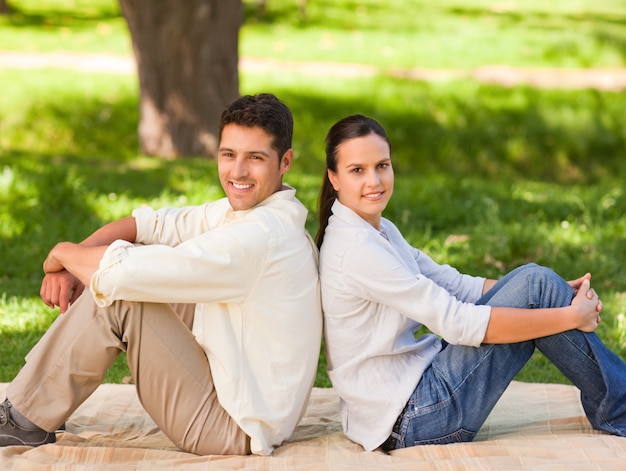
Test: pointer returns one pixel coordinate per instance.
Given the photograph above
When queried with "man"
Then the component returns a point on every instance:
(216, 306)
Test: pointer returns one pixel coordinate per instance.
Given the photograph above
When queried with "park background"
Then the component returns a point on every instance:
(506, 119)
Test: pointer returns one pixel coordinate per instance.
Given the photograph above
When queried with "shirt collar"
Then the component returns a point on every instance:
(351, 218)
(285, 193)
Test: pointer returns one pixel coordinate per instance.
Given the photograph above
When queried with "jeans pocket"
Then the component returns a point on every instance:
(459, 436)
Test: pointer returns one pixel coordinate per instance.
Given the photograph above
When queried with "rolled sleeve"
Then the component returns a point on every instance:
(145, 219)
(116, 252)
(218, 266)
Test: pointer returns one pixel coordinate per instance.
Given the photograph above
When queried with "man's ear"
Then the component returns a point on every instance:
(286, 161)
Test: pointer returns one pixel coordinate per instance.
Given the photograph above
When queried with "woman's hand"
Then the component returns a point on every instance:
(575, 284)
(588, 306)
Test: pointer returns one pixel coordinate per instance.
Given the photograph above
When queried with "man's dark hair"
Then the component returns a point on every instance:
(266, 112)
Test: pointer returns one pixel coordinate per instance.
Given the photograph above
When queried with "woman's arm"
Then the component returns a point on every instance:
(488, 284)
(510, 325)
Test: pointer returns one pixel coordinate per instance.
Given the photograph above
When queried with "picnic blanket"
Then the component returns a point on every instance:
(533, 426)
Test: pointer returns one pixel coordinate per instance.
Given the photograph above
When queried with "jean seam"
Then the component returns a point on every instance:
(488, 348)
(591, 358)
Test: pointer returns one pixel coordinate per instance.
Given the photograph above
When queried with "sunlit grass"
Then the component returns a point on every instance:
(65, 25)
(447, 34)
(399, 34)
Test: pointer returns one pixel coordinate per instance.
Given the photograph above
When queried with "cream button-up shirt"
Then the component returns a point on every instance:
(377, 291)
(253, 276)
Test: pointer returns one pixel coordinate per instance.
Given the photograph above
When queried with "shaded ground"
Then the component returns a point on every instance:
(601, 79)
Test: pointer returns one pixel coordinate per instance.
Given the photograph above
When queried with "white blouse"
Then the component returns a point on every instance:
(377, 291)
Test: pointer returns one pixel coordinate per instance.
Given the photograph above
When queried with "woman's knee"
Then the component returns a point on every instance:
(548, 288)
(539, 272)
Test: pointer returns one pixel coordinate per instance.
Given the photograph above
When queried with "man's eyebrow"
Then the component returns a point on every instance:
(262, 152)
(248, 152)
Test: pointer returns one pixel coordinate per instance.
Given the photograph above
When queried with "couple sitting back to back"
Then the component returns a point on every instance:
(228, 294)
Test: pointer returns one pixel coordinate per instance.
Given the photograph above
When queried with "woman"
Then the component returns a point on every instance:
(377, 291)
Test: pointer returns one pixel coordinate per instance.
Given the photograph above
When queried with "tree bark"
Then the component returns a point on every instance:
(4, 7)
(187, 57)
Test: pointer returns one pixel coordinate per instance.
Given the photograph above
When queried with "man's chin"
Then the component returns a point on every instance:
(240, 204)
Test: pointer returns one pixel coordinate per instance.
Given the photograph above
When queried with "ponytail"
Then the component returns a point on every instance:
(325, 202)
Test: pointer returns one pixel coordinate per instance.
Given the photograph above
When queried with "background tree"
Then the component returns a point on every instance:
(4, 7)
(187, 59)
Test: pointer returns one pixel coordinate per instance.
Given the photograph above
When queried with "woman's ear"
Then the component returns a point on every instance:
(332, 177)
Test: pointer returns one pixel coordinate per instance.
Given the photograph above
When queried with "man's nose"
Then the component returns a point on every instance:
(240, 168)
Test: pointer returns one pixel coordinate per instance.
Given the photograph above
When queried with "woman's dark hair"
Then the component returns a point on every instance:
(348, 128)
(265, 111)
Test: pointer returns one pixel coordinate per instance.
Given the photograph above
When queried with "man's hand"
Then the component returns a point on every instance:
(61, 289)
(80, 261)
(69, 267)
(52, 264)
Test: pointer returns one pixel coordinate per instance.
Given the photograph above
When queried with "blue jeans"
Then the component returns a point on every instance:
(459, 390)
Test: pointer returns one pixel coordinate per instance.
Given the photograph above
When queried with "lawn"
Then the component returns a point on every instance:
(487, 178)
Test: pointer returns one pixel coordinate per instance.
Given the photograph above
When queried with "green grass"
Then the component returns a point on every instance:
(66, 25)
(447, 33)
(402, 33)
(487, 177)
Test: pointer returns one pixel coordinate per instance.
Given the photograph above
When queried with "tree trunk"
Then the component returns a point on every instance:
(4, 7)
(187, 56)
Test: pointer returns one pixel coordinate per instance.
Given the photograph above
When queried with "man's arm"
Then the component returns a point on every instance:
(80, 261)
(62, 285)
(122, 229)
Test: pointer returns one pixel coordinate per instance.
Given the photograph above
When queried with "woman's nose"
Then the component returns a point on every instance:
(372, 178)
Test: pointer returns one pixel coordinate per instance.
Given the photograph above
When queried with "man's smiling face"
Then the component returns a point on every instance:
(249, 168)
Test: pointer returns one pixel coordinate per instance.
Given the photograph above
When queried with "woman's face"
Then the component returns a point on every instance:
(364, 177)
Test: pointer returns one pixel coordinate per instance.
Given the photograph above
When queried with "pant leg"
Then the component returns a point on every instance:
(175, 385)
(596, 371)
(456, 394)
(186, 313)
(581, 356)
(459, 390)
(171, 371)
(66, 365)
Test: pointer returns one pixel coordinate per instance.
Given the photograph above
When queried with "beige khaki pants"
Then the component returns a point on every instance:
(170, 369)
